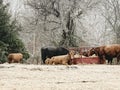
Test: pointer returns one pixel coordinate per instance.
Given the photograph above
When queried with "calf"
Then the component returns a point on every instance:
(63, 59)
(15, 57)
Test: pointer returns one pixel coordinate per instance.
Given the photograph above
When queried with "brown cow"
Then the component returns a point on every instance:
(15, 58)
(107, 52)
(63, 59)
(99, 51)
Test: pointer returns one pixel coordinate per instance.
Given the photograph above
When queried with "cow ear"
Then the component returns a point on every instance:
(72, 51)
(97, 48)
(91, 49)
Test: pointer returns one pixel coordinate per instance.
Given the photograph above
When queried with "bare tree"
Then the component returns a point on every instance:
(112, 16)
(61, 15)
(68, 37)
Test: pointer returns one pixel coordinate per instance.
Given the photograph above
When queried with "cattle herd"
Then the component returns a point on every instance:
(64, 56)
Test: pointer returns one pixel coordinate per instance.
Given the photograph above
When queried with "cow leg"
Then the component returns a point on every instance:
(65, 64)
(53, 63)
(12, 61)
(118, 59)
(102, 60)
(110, 61)
(70, 62)
(18, 61)
(9, 61)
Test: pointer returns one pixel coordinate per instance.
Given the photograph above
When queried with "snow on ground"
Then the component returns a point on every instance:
(59, 77)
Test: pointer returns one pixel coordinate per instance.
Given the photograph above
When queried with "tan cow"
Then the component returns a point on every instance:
(63, 59)
(15, 57)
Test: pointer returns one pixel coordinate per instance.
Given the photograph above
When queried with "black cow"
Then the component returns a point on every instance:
(48, 52)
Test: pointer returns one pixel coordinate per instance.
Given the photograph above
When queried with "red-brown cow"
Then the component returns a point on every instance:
(107, 52)
(15, 58)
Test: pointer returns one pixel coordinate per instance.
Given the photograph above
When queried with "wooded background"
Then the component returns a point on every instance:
(67, 23)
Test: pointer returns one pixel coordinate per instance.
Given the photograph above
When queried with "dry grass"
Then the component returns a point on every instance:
(59, 77)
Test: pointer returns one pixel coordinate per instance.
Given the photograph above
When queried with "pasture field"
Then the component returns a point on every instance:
(59, 77)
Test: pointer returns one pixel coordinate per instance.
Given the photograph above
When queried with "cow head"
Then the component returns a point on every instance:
(85, 54)
(72, 53)
(95, 51)
(92, 51)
